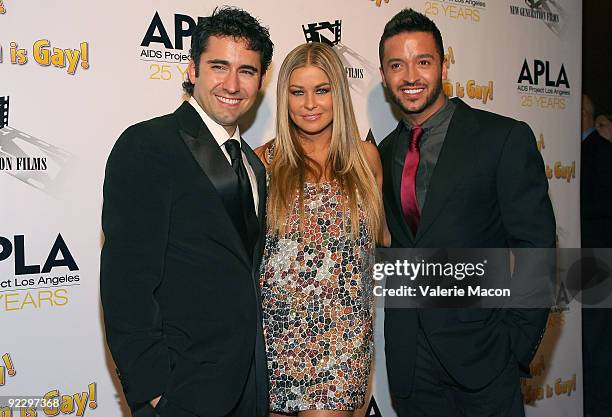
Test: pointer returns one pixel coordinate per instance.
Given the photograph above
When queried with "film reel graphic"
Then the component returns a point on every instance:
(27, 153)
(4, 111)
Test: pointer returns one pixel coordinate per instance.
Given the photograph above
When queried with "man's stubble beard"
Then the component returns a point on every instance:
(431, 99)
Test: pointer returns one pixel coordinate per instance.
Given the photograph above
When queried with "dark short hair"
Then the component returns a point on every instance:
(408, 20)
(234, 22)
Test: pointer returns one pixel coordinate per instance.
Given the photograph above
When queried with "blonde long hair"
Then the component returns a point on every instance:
(290, 166)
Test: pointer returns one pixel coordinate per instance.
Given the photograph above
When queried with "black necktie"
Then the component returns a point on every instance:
(250, 228)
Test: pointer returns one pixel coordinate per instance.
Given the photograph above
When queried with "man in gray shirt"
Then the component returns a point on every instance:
(456, 177)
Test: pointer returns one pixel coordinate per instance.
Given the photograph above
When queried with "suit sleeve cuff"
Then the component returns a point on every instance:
(147, 377)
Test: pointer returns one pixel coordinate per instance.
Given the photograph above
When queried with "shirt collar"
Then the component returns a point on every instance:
(587, 132)
(437, 118)
(218, 131)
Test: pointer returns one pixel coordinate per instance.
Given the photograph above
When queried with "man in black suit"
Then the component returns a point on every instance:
(456, 177)
(596, 232)
(183, 219)
(595, 182)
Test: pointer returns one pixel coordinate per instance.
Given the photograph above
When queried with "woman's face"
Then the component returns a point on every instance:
(310, 101)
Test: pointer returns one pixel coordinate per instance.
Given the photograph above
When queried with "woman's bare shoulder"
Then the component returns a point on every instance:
(371, 152)
(263, 152)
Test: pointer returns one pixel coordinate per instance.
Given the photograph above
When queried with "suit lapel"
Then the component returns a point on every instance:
(453, 162)
(260, 175)
(396, 180)
(212, 161)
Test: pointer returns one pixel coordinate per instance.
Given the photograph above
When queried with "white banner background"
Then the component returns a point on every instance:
(53, 336)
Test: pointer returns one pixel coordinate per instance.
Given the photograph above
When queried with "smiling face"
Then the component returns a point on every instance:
(228, 80)
(412, 72)
(311, 102)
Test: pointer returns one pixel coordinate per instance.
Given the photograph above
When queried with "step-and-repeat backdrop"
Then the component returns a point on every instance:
(74, 75)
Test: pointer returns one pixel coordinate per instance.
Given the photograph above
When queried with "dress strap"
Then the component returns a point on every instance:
(269, 152)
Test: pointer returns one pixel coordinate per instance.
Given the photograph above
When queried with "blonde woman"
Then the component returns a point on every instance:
(325, 217)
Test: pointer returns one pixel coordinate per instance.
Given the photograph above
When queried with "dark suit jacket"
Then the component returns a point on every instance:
(596, 232)
(179, 290)
(596, 191)
(488, 190)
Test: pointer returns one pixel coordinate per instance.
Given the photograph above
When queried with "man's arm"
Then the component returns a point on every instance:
(135, 221)
(522, 190)
(529, 221)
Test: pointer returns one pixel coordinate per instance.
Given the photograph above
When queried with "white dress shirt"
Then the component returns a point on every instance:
(221, 136)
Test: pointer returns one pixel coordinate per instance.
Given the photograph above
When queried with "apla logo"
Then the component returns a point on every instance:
(319, 32)
(180, 31)
(59, 256)
(542, 78)
(542, 68)
(157, 36)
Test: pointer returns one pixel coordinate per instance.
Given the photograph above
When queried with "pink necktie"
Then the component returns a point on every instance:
(410, 206)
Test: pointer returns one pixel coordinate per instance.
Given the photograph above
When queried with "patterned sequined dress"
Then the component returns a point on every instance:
(317, 307)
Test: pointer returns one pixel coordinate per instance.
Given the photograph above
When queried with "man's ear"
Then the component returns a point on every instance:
(445, 69)
(191, 71)
(382, 76)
